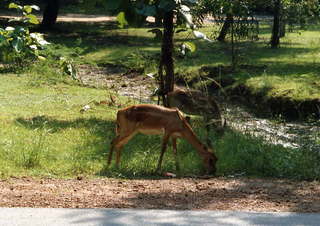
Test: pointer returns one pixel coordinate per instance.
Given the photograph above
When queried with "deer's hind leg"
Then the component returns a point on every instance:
(175, 152)
(163, 150)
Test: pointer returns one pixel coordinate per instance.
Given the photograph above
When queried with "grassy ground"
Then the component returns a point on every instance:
(43, 132)
(291, 71)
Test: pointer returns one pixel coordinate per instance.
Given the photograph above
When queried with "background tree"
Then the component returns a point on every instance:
(50, 14)
(225, 11)
(168, 9)
(275, 37)
(291, 12)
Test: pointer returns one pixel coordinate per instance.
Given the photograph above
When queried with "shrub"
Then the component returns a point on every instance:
(18, 44)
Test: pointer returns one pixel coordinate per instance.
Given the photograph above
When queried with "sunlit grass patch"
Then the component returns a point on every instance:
(246, 155)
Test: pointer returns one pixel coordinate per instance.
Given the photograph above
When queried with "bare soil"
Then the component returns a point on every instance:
(182, 194)
(123, 81)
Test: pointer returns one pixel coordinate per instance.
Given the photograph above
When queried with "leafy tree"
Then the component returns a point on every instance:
(284, 12)
(237, 21)
(291, 12)
(227, 11)
(169, 9)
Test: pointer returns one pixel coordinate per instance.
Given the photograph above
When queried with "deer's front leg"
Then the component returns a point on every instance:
(113, 144)
(118, 143)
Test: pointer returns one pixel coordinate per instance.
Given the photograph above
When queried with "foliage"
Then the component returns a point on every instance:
(219, 8)
(18, 44)
(68, 67)
(300, 11)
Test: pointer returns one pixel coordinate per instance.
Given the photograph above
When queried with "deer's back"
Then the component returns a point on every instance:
(148, 117)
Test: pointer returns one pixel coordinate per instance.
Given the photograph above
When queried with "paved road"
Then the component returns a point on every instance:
(117, 217)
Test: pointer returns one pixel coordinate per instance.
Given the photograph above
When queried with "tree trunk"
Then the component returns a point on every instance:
(50, 14)
(275, 39)
(166, 61)
(226, 26)
(283, 24)
(282, 32)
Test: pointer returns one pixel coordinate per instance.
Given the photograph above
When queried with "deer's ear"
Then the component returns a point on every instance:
(188, 118)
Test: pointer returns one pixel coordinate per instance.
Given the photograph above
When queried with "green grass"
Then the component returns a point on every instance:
(242, 154)
(291, 71)
(43, 133)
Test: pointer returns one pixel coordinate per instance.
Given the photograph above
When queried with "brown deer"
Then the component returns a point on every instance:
(155, 119)
(195, 102)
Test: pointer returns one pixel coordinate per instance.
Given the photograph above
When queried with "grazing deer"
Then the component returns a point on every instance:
(195, 102)
(155, 119)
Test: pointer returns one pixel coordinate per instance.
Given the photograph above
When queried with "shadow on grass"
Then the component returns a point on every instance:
(55, 125)
(139, 157)
(94, 147)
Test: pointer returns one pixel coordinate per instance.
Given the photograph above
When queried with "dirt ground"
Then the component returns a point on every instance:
(182, 194)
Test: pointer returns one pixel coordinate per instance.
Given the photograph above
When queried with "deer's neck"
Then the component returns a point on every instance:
(190, 136)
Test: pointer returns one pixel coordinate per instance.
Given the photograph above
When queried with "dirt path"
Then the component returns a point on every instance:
(192, 194)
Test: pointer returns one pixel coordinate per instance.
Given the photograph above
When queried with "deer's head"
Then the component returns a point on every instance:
(210, 160)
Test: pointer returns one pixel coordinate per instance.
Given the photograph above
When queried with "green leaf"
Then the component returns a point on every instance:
(2, 38)
(17, 44)
(27, 9)
(41, 58)
(32, 19)
(14, 6)
(20, 30)
(121, 18)
(191, 46)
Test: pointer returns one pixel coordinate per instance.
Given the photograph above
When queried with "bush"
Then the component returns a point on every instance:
(18, 44)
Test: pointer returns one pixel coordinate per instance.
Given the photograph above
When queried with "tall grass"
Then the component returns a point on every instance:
(242, 154)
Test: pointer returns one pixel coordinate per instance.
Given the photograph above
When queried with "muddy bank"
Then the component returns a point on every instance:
(262, 104)
(278, 106)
